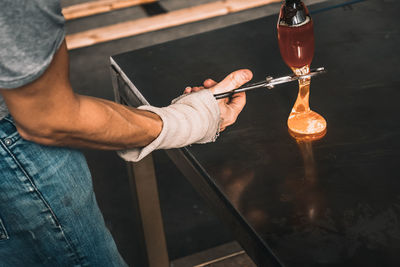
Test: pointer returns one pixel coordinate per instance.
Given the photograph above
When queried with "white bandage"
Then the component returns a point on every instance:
(191, 118)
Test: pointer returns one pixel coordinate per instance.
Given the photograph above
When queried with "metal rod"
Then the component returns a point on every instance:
(270, 82)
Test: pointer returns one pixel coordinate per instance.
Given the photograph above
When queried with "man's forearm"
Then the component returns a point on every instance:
(94, 123)
(48, 112)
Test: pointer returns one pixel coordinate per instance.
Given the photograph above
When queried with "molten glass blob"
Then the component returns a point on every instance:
(296, 44)
(304, 123)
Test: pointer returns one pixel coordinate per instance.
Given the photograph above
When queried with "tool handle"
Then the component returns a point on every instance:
(241, 89)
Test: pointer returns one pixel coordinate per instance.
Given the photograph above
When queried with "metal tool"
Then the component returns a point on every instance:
(270, 82)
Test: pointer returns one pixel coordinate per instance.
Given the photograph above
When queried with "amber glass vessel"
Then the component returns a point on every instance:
(296, 44)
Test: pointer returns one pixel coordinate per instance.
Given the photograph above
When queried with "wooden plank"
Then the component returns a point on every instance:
(173, 18)
(98, 7)
(230, 254)
(234, 260)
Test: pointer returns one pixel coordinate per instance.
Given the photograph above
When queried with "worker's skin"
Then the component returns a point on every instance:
(48, 112)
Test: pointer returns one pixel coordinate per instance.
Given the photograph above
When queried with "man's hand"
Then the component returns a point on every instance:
(230, 108)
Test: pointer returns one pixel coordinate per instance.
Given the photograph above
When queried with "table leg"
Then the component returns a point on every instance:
(144, 191)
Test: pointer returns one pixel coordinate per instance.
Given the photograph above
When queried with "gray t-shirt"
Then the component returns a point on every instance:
(31, 31)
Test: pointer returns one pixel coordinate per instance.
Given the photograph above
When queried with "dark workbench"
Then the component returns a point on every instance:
(333, 202)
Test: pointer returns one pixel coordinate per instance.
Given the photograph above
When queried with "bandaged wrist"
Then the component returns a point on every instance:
(191, 118)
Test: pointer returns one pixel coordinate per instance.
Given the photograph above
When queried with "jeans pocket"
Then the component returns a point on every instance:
(3, 231)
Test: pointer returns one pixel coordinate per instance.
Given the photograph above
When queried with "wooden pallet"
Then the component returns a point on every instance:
(148, 24)
(100, 6)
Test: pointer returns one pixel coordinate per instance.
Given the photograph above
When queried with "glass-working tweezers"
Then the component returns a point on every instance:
(270, 82)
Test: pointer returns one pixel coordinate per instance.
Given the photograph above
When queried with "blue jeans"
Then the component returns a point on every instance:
(48, 211)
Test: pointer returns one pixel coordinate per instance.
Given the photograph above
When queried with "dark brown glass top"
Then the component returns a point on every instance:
(333, 202)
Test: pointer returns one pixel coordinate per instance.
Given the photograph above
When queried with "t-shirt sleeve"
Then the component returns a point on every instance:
(30, 34)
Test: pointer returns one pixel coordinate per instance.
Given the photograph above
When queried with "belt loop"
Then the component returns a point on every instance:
(7, 128)
(10, 119)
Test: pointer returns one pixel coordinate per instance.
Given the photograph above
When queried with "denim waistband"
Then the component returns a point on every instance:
(7, 127)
